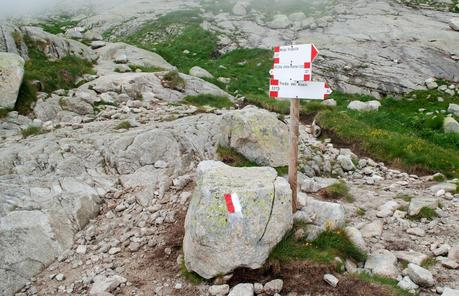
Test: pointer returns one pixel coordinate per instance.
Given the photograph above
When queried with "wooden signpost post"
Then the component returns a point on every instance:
(291, 78)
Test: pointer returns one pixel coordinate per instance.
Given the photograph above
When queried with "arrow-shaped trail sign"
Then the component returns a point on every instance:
(310, 90)
(295, 54)
(290, 78)
(290, 72)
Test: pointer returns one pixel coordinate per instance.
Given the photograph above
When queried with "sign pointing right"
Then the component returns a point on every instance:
(310, 90)
(295, 54)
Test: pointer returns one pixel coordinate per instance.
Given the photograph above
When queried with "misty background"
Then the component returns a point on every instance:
(34, 8)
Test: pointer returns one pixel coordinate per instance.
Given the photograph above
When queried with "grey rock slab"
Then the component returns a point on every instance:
(57, 47)
(420, 275)
(257, 134)
(453, 253)
(112, 53)
(450, 292)
(134, 84)
(453, 109)
(372, 229)
(411, 256)
(11, 74)
(454, 24)
(274, 286)
(407, 284)
(320, 216)
(356, 237)
(450, 125)
(104, 283)
(242, 290)
(216, 241)
(219, 290)
(331, 280)
(418, 203)
(382, 262)
(200, 72)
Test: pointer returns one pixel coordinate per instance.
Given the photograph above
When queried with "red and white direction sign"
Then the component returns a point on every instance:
(295, 54)
(310, 90)
(291, 72)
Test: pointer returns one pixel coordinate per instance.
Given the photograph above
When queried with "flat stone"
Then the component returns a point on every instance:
(382, 262)
(331, 280)
(242, 290)
(420, 275)
(411, 256)
(373, 229)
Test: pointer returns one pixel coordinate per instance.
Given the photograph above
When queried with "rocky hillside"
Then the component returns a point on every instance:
(120, 132)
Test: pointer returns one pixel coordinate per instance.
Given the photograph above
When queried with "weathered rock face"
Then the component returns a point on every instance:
(134, 84)
(257, 134)
(111, 54)
(11, 40)
(11, 74)
(57, 47)
(217, 243)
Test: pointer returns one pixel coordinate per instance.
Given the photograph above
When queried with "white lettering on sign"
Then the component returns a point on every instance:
(310, 90)
(295, 54)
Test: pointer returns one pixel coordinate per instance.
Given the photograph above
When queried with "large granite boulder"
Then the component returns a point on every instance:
(217, 241)
(257, 134)
(11, 74)
(56, 47)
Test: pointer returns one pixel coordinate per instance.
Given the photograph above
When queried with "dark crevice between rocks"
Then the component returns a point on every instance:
(270, 212)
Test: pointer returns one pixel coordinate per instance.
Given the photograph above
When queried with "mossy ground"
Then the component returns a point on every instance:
(209, 100)
(123, 125)
(384, 281)
(424, 213)
(338, 190)
(31, 131)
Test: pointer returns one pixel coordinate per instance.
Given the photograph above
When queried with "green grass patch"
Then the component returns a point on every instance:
(233, 158)
(426, 213)
(428, 262)
(338, 190)
(439, 178)
(399, 149)
(324, 249)
(282, 171)
(53, 75)
(390, 283)
(404, 197)
(145, 69)
(173, 80)
(123, 125)
(58, 25)
(209, 100)
(360, 212)
(4, 112)
(31, 131)
(190, 276)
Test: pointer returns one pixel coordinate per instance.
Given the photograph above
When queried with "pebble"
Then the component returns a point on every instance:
(331, 280)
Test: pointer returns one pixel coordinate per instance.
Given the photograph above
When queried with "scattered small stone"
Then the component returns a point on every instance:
(420, 275)
(331, 280)
(273, 287)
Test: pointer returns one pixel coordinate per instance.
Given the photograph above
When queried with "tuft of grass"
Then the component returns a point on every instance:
(58, 25)
(209, 100)
(282, 171)
(134, 68)
(428, 262)
(404, 197)
(190, 276)
(173, 80)
(390, 283)
(338, 190)
(426, 213)
(233, 158)
(123, 125)
(4, 112)
(31, 131)
(361, 211)
(324, 249)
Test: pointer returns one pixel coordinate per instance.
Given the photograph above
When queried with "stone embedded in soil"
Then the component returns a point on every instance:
(420, 275)
(331, 280)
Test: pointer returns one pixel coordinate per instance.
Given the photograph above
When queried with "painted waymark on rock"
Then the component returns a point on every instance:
(233, 205)
(291, 77)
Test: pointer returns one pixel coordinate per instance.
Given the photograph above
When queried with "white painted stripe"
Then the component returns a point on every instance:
(236, 203)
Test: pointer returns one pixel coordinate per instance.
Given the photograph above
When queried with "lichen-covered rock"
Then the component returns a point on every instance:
(257, 134)
(217, 242)
(11, 74)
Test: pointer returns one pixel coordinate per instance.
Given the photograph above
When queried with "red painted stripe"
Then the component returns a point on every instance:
(274, 82)
(273, 94)
(276, 60)
(229, 203)
(307, 77)
(276, 49)
(307, 65)
(326, 96)
(314, 53)
(326, 85)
